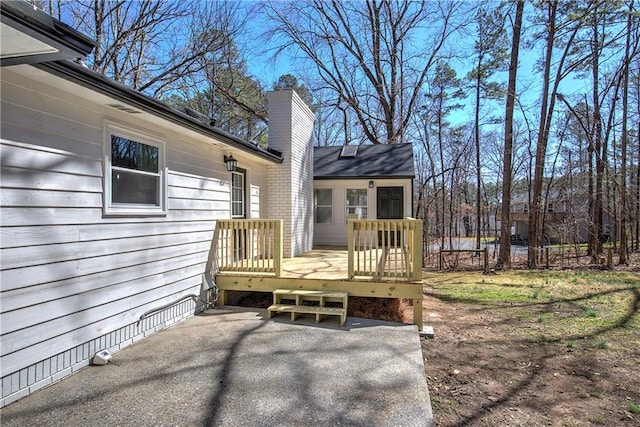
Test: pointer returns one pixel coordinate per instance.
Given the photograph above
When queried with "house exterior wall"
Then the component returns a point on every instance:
(73, 280)
(335, 234)
(290, 185)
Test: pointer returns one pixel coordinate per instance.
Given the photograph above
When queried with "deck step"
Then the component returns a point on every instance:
(300, 296)
(306, 293)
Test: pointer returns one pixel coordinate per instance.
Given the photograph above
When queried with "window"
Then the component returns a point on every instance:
(238, 194)
(135, 178)
(549, 207)
(323, 204)
(357, 204)
(525, 208)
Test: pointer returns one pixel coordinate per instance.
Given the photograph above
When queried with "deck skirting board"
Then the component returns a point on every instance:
(21, 383)
(358, 288)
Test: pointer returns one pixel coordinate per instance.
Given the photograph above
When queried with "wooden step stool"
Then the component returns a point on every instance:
(297, 306)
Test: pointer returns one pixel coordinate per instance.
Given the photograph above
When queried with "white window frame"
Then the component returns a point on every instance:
(243, 202)
(133, 209)
(316, 206)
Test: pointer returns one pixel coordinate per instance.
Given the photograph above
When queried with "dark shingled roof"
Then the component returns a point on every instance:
(371, 161)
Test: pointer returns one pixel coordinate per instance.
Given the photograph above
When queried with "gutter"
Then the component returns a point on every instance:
(343, 177)
(24, 17)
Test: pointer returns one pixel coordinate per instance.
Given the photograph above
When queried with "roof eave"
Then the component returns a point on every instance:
(67, 42)
(334, 177)
(102, 84)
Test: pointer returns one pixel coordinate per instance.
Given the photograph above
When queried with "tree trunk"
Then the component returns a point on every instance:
(535, 226)
(478, 174)
(623, 172)
(504, 258)
(598, 148)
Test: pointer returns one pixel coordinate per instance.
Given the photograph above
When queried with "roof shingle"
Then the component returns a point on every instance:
(371, 161)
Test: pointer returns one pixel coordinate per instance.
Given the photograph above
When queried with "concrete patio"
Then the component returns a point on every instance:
(231, 367)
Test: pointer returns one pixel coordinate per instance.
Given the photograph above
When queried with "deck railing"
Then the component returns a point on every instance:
(385, 248)
(250, 245)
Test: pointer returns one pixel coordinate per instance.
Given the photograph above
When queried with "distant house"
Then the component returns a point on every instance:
(360, 182)
(566, 218)
(110, 199)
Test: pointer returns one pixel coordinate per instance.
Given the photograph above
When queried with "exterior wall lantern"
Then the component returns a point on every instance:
(370, 184)
(231, 163)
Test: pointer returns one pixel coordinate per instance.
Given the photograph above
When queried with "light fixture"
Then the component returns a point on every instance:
(231, 163)
(370, 184)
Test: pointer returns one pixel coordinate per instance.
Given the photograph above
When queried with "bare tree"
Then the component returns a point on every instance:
(364, 54)
(151, 45)
(554, 29)
(490, 53)
(623, 160)
(504, 258)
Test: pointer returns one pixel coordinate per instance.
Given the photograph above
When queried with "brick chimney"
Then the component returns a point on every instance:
(290, 184)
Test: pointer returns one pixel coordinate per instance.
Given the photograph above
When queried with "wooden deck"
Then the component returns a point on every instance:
(321, 263)
(323, 269)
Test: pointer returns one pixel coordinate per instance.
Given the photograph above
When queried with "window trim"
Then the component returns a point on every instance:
(243, 173)
(316, 206)
(131, 209)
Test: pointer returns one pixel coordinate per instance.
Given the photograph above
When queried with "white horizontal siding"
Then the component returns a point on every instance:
(34, 295)
(24, 216)
(35, 273)
(54, 181)
(45, 198)
(68, 334)
(16, 237)
(73, 311)
(72, 278)
(32, 159)
(28, 256)
(336, 232)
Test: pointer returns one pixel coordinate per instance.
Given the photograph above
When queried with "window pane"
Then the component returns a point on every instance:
(237, 195)
(356, 212)
(131, 187)
(236, 180)
(323, 215)
(237, 209)
(323, 197)
(357, 204)
(356, 197)
(323, 206)
(129, 154)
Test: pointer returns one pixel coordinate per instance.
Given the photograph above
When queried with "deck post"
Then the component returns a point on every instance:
(279, 239)
(417, 314)
(416, 248)
(222, 297)
(350, 249)
(486, 260)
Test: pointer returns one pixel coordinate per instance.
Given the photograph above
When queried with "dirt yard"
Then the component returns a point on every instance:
(534, 348)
